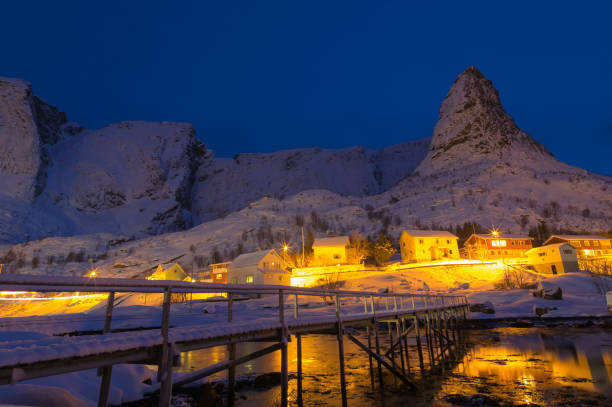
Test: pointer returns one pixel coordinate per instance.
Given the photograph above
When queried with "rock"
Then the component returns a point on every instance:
(485, 308)
(552, 293)
(475, 400)
(267, 380)
(539, 311)
(521, 324)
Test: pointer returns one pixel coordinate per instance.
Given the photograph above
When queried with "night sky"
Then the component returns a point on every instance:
(263, 76)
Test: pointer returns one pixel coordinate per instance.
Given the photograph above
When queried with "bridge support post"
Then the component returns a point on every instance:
(341, 352)
(369, 331)
(300, 402)
(418, 341)
(284, 356)
(231, 353)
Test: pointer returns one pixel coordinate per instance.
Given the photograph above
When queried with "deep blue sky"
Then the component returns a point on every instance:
(263, 76)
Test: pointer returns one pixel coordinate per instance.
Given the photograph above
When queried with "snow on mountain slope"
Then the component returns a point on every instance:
(479, 167)
(354, 171)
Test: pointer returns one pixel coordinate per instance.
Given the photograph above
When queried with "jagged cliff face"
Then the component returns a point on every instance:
(26, 125)
(226, 185)
(475, 131)
(57, 178)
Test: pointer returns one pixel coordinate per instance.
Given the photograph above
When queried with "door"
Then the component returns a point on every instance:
(554, 269)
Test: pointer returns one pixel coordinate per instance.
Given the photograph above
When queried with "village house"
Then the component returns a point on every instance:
(427, 245)
(330, 251)
(262, 267)
(218, 272)
(589, 246)
(555, 258)
(171, 272)
(496, 246)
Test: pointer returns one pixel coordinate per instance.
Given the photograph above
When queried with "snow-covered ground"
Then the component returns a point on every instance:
(583, 295)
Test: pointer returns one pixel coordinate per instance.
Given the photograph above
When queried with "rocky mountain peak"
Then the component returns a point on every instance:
(475, 129)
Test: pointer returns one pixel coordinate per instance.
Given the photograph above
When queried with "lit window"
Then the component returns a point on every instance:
(249, 279)
(219, 276)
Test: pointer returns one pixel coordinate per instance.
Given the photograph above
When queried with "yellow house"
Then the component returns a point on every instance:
(428, 245)
(556, 258)
(171, 272)
(330, 251)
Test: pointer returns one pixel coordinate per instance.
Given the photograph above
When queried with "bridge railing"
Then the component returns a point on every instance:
(345, 300)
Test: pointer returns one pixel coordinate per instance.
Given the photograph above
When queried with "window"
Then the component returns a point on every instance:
(567, 251)
(265, 264)
(448, 242)
(542, 254)
(269, 275)
(234, 280)
(420, 241)
(451, 251)
(437, 242)
(249, 279)
(498, 243)
(219, 276)
(280, 278)
(336, 256)
(403, 244)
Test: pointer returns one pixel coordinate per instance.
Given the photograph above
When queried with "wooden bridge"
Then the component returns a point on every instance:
(433, 320)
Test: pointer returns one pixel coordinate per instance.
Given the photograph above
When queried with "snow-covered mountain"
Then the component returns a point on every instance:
(56, 178)
(136, 179)
(234, 183)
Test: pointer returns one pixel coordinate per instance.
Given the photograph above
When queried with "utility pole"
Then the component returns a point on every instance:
(302, 246)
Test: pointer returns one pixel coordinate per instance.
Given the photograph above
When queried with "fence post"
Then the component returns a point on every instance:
(106, 371)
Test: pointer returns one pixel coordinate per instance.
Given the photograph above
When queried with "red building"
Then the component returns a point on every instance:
(496, 246)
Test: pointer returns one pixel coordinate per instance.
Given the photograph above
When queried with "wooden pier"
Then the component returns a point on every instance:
(429, 322)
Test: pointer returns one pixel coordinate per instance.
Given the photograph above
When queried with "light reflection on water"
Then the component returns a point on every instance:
(558, 366)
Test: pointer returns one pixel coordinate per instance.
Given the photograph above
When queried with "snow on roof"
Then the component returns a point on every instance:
(430, 233)
(504, 236)
(331, 241)
(248, 259)
(579, 237)
(548, 246)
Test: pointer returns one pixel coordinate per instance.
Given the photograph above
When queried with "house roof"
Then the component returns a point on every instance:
(504, 236)
(249, 259)
(431, 233)
(578, 237)
(331, 241)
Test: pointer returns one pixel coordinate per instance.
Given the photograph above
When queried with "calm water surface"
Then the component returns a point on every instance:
(515, 366)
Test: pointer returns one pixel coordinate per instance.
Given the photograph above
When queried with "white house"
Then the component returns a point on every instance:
(171, 272)
(428, 245)
(262, 267)
(556, 258)
(329, 251)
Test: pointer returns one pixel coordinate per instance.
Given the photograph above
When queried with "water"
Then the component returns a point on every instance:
(513, 366)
